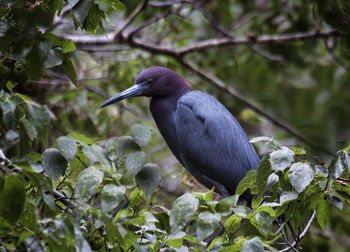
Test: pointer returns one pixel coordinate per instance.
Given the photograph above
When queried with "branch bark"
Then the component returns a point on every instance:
(128, 21)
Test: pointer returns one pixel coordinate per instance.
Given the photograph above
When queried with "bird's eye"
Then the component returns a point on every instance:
(150, 81)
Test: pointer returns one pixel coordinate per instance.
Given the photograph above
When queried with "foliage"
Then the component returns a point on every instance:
(77, 178)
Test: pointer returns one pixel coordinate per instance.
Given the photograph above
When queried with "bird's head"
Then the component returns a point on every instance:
(153, 81)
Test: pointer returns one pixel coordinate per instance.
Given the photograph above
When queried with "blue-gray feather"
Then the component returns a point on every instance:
(211, 143)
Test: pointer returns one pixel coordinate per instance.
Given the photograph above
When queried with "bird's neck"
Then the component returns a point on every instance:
(163, 111)
(162, 107)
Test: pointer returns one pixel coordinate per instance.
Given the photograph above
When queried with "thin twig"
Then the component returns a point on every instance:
(151, 21)
(266, 54)
(168, 3)
(264, 39)
(301, 236)
(133, 15)
(58, 20)
(61, 197)
(290, 246)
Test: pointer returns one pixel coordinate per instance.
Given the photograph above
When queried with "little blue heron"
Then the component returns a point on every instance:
(202, 134)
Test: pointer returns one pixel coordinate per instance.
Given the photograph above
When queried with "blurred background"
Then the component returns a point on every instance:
(281, 67)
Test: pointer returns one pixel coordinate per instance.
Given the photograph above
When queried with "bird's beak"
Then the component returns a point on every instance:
(136, 90)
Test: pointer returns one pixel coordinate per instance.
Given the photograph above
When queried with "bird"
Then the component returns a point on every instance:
(201, 133)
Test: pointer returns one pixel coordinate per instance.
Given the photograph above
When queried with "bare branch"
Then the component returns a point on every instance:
(133, 15)
(150, 21)
(168, 3)
(112, 48)
(58, 20)
(206, 44)
(301, 236)
(65, 200)
(266, 54)
(264, 39)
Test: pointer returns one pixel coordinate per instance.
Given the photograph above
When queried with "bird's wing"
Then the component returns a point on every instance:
(211, 141)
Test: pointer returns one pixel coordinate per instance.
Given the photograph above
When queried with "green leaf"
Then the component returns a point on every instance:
(206, 224)
(268, 207)
(8, 108)
(253, 245)
(206, 196)
(347, 160)
(68, 46)
(300, 176)
(298, 151)
(148, 178)
(141, 133)
(270, 142)
(111, 197)
(112, 233)
(115, 5)
(39, 116)
(54, 163)
(129, 239)
(12, 198)
(68, 147)
(232, 223)
(262, 174)
(264, 223)
(281, 159)
(44, 186)
(271, 181)
(96, 154)
(88, 182)
(347, 148)
(322, 212)
(81, 10)
(247, 182)
(182, 211)
(93, 19)
(81, 243)
(81, 138)
(320, 169)
(134, 162)
(54, 57)
(30, 129)
(69, 69)
(175, 243)
(315, 199)
(288, 196)
(117, 147)
(227, 204)
(337, 201)
(242, 211)
(338, 168)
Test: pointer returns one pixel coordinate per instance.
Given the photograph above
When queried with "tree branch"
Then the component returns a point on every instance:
(61, 197)
(264, 39)
(136, 12)
(150, 21)
(301, 236)
(206, 44)
(168, 3)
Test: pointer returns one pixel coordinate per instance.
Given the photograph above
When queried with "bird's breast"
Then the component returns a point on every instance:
(163, 110)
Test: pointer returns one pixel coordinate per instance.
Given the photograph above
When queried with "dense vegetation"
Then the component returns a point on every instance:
(74, 177)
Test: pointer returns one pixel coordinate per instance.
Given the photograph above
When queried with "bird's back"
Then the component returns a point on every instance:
(211, 143)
